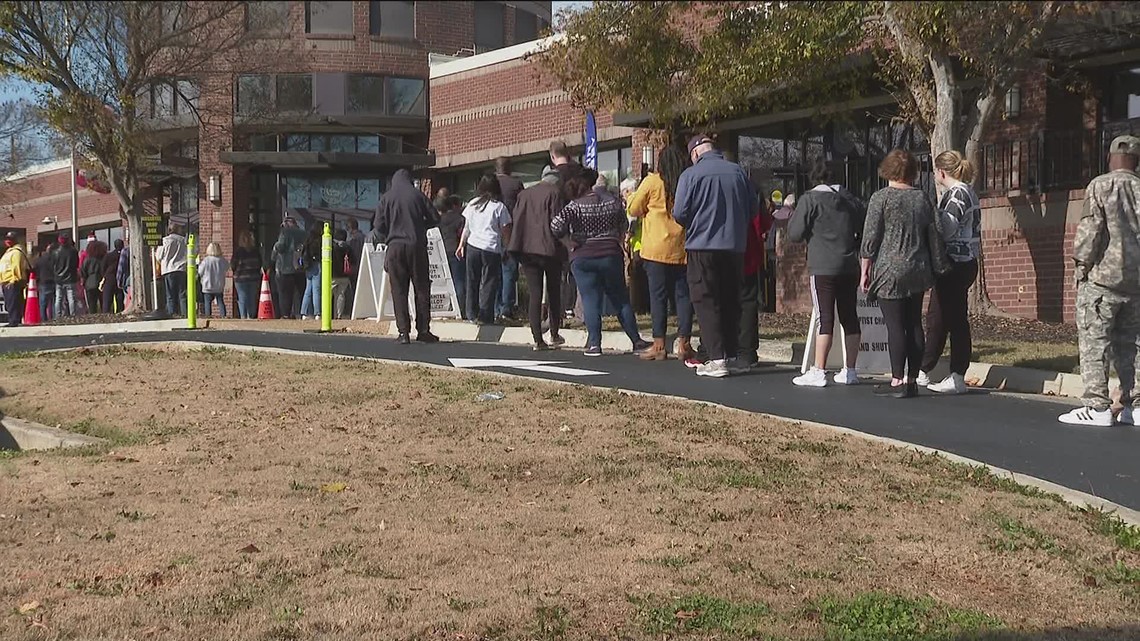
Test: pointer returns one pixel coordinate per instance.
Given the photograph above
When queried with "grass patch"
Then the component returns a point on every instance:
(1108, 524)
(700, 613)
(712, 474)
(113, 435)
(876, 616)
(1053, 357)
(1016, 536)
(551, 623)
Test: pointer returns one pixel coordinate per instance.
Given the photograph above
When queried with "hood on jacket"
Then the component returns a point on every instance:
(550, 174)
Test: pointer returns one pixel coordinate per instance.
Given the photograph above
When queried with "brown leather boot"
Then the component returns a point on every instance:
(684, 348)
(656, 352)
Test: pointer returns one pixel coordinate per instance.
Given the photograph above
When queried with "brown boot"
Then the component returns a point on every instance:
(684, 349)
(656, 352)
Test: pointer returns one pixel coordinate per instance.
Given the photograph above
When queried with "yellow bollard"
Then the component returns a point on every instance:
(191, 284)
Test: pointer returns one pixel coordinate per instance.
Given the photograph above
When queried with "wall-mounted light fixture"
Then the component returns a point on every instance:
(1013, 102)
(214, 188)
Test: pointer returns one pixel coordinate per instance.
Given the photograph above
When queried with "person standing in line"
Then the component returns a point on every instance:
(340, 271)
(715, 203)
(92, 273)
(510, 186)
(45, 282)
(311, 262)
(112, 295)
(830, 220)
(539, 254)
(212, 270)
(596, 227)
(1106, 251)
(65, 264)
(402, 220)
(14, 268)
(752, 285)
(902, 252)
(123, 272)
(663, 255)
(450, 229)
(246, 266)
(287, 257)
(566, 166)
(948, 314)
(355, 252)
(486, 231)
(171, 255)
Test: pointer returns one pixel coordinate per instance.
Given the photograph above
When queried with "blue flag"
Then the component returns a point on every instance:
(590, 159)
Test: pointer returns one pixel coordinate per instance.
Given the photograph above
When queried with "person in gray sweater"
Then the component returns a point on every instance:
(830, 220)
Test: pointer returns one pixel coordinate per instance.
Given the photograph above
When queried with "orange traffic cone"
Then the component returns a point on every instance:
(265, 305)
(32, 307)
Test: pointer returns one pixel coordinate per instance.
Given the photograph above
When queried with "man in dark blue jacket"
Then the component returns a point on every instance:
(715, 203)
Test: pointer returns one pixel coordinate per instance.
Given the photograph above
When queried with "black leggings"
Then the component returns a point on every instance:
(949, 316)
(830, 293)
(535, 269)
(905, 341)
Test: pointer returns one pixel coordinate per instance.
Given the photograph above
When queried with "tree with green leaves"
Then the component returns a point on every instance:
(948, 64)
(95, 66)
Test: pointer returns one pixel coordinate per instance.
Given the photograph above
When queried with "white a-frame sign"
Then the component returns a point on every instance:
(373, 297)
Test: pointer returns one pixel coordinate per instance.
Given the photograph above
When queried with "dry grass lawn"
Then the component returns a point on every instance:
(259, 497)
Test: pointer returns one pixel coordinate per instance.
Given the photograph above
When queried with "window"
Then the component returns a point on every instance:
(392, 18)
(488, 26)
(345, 144)
(295, 92)
(267, 17)
(163, 100)
(393, 144)
(328, 17)
(1124, 95)
(365, 94)
(263, 142)
(297, 142)
(526, 26)
(186, 98)
(406, 97)
(253, 93)
(368, 144)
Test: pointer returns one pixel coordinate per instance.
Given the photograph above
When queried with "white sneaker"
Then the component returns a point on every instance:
(952, 384)
(714, 369)
(846, 376)
(814, 377)
(923, 379)
(1125, 417)
(303, 317)
(737, 366)
(1087, 416)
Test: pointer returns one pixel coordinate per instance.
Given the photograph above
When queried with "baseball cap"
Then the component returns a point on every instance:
(1129, 145)
(698, 140)
(11, 236)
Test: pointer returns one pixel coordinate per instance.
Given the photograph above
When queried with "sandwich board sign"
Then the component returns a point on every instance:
(374, 293)
(874, 358)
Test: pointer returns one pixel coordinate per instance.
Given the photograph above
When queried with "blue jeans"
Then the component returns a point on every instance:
(248, 295)
(508, 297)
(484, 280)
(65, 300)
(175, 283)
(459, 280)
(210, 299)
(47, 301)
(311, 302)
(665, 280)
(601, 279)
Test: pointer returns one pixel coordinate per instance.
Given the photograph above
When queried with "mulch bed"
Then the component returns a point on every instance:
(984, 327)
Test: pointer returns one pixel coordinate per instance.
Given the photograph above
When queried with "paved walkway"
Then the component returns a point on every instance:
(1017, 433)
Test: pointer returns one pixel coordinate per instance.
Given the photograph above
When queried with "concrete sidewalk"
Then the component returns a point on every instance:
(988, 375)
(125, 327)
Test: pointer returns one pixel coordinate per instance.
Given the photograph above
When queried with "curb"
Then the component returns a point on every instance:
(1004, 378)
(18, 434)
(129, 327)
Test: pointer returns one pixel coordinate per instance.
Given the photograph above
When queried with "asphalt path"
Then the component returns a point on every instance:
(1017, 433)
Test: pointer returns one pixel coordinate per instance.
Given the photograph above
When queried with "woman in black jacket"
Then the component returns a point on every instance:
(91, 273)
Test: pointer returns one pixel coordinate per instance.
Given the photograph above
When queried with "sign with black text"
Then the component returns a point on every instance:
(154, 228)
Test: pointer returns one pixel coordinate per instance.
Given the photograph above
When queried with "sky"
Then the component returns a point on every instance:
(559, 5)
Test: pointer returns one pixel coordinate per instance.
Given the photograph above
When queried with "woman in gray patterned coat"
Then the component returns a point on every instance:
(902, 251)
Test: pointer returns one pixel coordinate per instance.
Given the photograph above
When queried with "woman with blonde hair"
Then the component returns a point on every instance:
(246, 265)
(948, 314)
(212, 274)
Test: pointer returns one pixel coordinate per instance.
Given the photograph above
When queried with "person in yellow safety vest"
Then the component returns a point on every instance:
(14, 268)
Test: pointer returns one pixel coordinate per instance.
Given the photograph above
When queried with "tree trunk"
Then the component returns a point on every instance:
(982, 112)
(140, 261)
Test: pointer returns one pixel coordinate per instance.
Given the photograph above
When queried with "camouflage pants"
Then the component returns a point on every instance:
(1108, 326)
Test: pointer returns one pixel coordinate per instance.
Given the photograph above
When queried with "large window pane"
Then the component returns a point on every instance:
(298, 193)
(365, 94)
(297, 142)
(267, 17)
(393, 144)
(368, 144)
(328, 17)
(406, 97)
(263, 142)
(342, 143)
(1124, 97)
(253, 94)
(393, 18)
(336, 193)
(367, 194)
(488, 26)
(163, 100)
(187, 97)
(526, 26)
(295, 92)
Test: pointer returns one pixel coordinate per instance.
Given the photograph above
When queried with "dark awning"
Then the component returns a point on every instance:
(326, 160)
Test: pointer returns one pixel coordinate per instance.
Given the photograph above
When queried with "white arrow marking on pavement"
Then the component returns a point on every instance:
(548, 367)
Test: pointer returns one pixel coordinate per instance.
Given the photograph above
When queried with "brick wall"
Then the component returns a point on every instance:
(25, 203)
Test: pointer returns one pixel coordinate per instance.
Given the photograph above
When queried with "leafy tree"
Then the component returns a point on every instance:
(93, 65)
(949, 64)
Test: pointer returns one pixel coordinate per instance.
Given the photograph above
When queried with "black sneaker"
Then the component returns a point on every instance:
(404, 339)
(557, 340)
(641, 346)
(426, 337)
(592, 351)
(541, 346)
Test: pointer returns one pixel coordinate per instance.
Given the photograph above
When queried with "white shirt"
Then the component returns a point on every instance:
(172, 254)
(484, 225)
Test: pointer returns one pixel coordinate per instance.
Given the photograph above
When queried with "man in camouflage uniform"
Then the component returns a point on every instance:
(1107, 254)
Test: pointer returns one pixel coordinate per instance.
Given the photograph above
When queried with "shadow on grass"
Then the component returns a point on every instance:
(1124, 633)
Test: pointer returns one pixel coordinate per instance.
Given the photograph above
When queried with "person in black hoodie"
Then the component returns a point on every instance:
(830, 220)
(45, 281)
(403, 217)
(112, 295)
(65, 262)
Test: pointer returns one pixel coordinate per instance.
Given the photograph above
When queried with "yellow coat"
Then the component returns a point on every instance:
(14, 266)
(662, 239)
